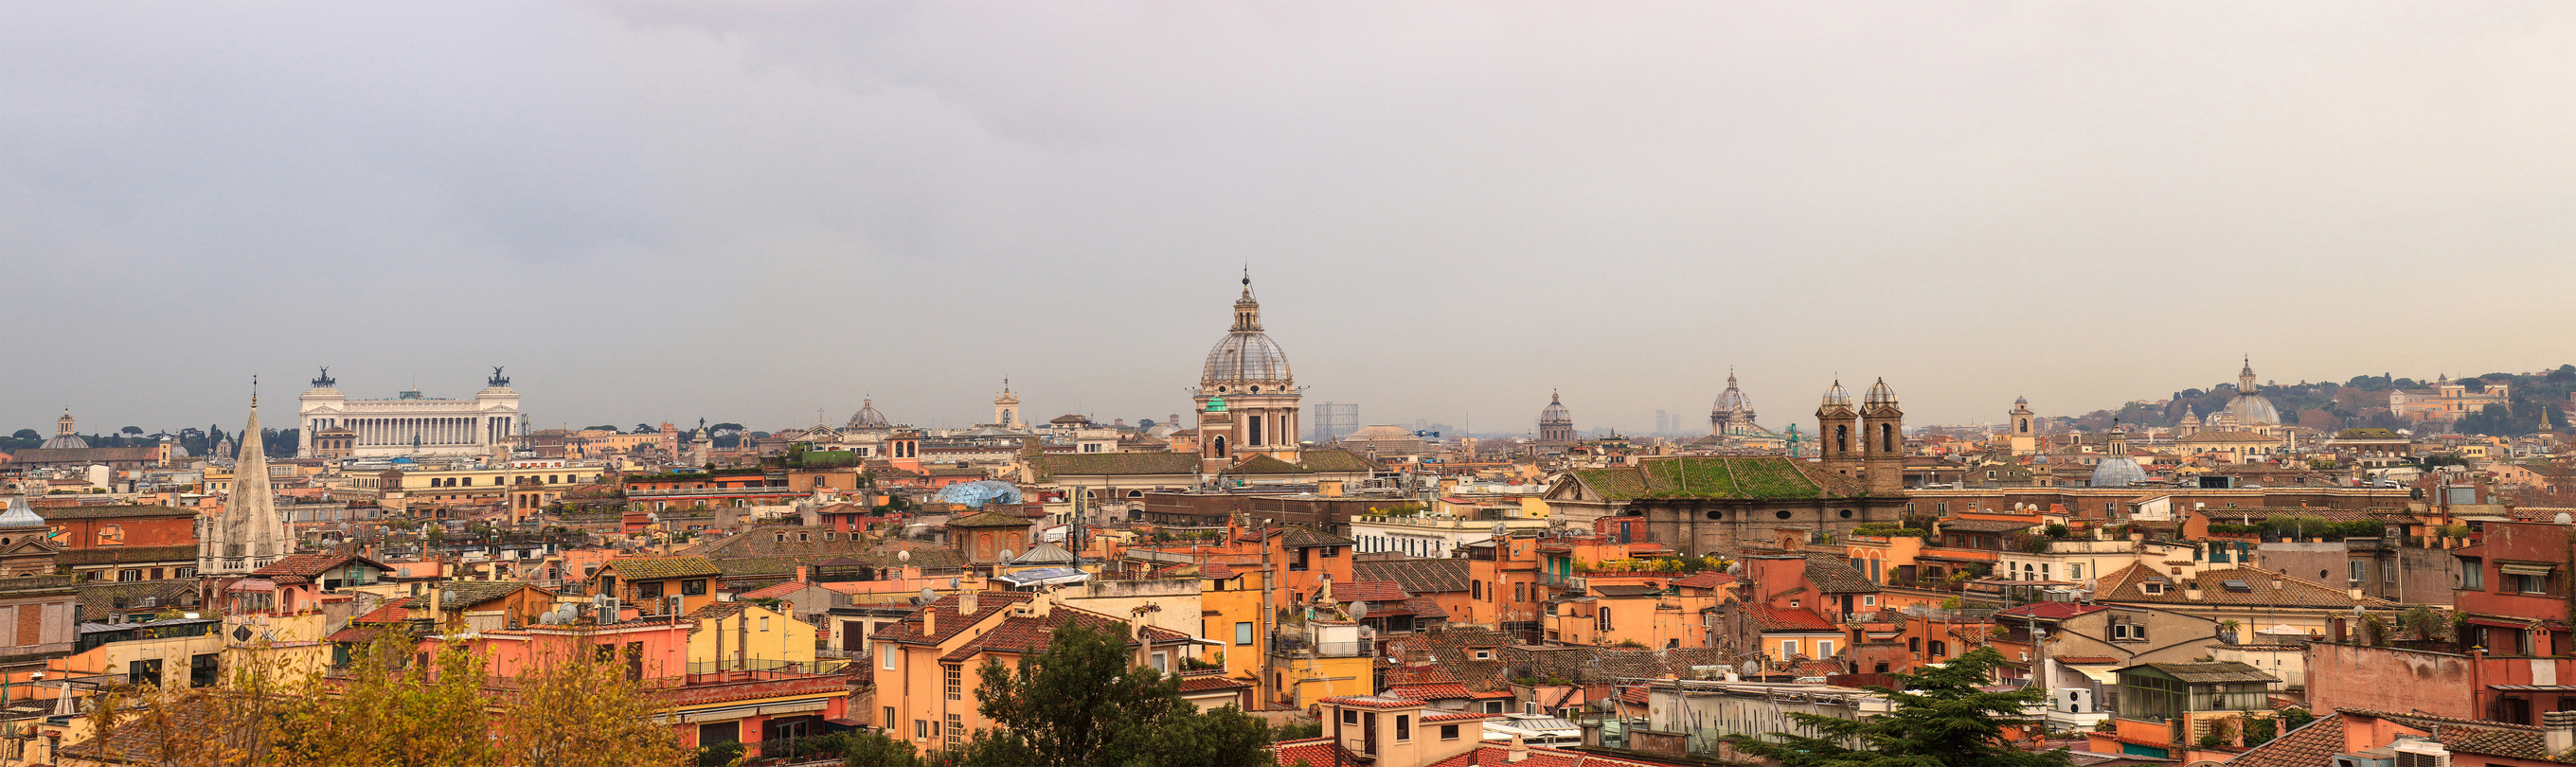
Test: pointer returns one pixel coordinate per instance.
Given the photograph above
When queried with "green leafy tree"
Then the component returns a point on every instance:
(27, 434)
(1084, 701)
(877, 749)
(1942, 718)
(392, 710)
(644, 428)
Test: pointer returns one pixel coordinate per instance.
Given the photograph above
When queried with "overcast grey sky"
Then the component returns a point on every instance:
(748, 211)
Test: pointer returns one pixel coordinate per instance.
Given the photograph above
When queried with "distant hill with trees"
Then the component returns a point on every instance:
(2538, 403)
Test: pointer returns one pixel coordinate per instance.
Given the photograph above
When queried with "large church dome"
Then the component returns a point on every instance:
(1246, 357)
(2250, 407)
(1555, 411)
(867, 418)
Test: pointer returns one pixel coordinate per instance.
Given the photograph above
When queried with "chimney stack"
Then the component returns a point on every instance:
(1517, 751)
(930, 619)
(2558, 732)
(966, 603)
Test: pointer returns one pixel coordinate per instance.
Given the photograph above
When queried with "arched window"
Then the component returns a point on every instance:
(1842, 438)
(1887, 438)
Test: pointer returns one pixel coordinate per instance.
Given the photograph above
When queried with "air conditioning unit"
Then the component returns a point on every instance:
(2362, 760)
(2420, 753)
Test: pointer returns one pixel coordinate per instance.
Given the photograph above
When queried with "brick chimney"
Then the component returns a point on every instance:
(2558, 732)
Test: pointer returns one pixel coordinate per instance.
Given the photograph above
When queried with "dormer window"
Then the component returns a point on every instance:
(2153, 587)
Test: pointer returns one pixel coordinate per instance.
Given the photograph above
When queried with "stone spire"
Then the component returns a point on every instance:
(249, 534)
(1247, 311)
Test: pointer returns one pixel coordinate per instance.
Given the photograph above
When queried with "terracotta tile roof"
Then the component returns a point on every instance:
(98, 599)
(947, 619)
(463, 595)
(633, 569)
(355, 634)
(1028, 633)
(1332, 461)
(1431, 692)
(775, 590)
(1785, 618)
(718, 610)
(1371, 701)
(114, 555)
(314, 565)
(1704, 579)
(114, 512)
(393, 612)
(1756, 478)
(1453, 716)
(1372, 591)
(1417, 576)
(1313, 752)
(1299, 537)
(1494, 754)
(1206, 682)
(1263, 464)
(1986, 525)
(1832, 575)
(2468, 736)
(2124, 585)
(1633, 695)
(2212, 672)
(1425, 607)
(989, 519)
(1100, 464)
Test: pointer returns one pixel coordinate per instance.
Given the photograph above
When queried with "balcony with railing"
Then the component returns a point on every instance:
(1290, 644)
(709, 491)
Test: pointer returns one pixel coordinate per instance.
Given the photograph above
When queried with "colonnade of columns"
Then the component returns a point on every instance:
(430, 431)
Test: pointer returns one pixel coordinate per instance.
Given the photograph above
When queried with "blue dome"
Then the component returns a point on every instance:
(976, 494)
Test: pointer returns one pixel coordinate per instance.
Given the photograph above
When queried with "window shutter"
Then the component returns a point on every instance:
(31, 624)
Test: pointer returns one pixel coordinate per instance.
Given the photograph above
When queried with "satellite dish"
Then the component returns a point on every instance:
(1500, 530)
(1007, 555)
(1751, 667)
(2565, 519)
(903, 556)
(952, 584)
(1359, 610)
(928, 596)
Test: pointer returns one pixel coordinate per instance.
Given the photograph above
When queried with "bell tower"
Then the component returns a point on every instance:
(1006, 407)
(1884, 447)
(1838, 435)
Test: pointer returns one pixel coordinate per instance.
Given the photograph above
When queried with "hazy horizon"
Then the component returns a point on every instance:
(748, 212)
